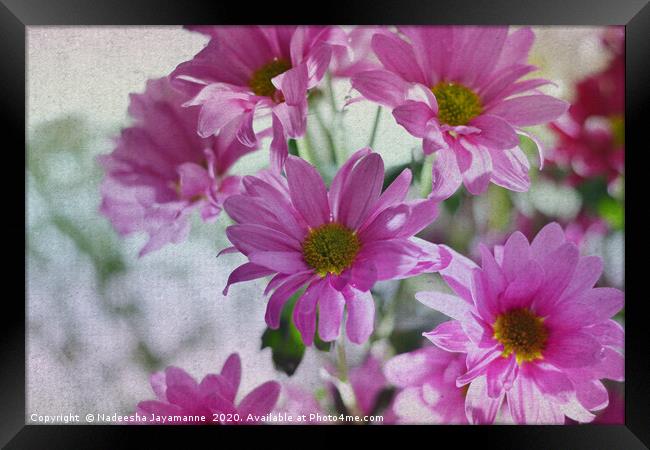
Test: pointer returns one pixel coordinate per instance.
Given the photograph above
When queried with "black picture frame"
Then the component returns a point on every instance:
(16, 15)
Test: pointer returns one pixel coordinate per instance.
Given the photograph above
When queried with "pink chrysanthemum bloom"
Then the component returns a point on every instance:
(338, 243)
(247, 72)
(591, 135)
(161, 170)
(178, 394)
(535, 331)
(426, 379)
(457, 88)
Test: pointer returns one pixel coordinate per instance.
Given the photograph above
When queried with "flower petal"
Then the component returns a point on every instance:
(449, 336)
(330, 307)
(361, 315)
(380, 86)
(361, 192)
(529, 110)
(308, 192)
(447, 304)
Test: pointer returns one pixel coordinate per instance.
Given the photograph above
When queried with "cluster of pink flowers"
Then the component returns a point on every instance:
(591, 135)
(531, 337)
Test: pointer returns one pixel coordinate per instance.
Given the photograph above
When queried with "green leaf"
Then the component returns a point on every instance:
(285, 343)
(287, 348)
(612, 211)
(293, 147)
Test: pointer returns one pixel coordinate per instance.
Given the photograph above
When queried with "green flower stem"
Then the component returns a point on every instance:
(373, 134)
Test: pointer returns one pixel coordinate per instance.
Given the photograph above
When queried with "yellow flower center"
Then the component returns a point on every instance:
(261, 83)
(457, 105)
(330, 248)
(521, 332)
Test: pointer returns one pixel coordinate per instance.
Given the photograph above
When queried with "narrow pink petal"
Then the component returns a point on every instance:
(592, 394)
(449, 336)
(281, 295)
(293, 84)
(279, 147)
(609, 333)
(482, 53)
(593, 306)
(459, 273)
(529, 110)
(516, 253)
(413, 116)
(446, 177)
(363, 275)
(308, 192)
(516, 47)
(391, 258)
(380, 86)
(341, 179)
(421, 214)
(218, 384)
(510, 169)
(183, 396)
(159, 385)
(523, 288)
(250, 237)
(176, 376)
(330, 307)
(260, 401)
(495, 133)
(501, 81)
(550, 381)
(448, 304)
(317, 63)
(386, 224)
(573, 349)
(396, 191)
(245, 272)
(397, 56)
(559, 267)
(501, 375)
(495, 278)
(548, 239)
(231, 370)
(586, 275)
(304, 313)
(477, 176)
(282, 262)
(361, 192)
(479, 367)
(361, 315)
(479, 408)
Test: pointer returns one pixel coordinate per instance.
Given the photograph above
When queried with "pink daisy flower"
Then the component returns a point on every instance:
(338, 243)
(247, 72)
(178, 394)
(591, 135)
(426, 379)
(457, 88)
(536, 334)
(161, 170)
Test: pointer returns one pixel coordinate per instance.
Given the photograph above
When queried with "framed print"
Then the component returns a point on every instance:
(402, 217)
